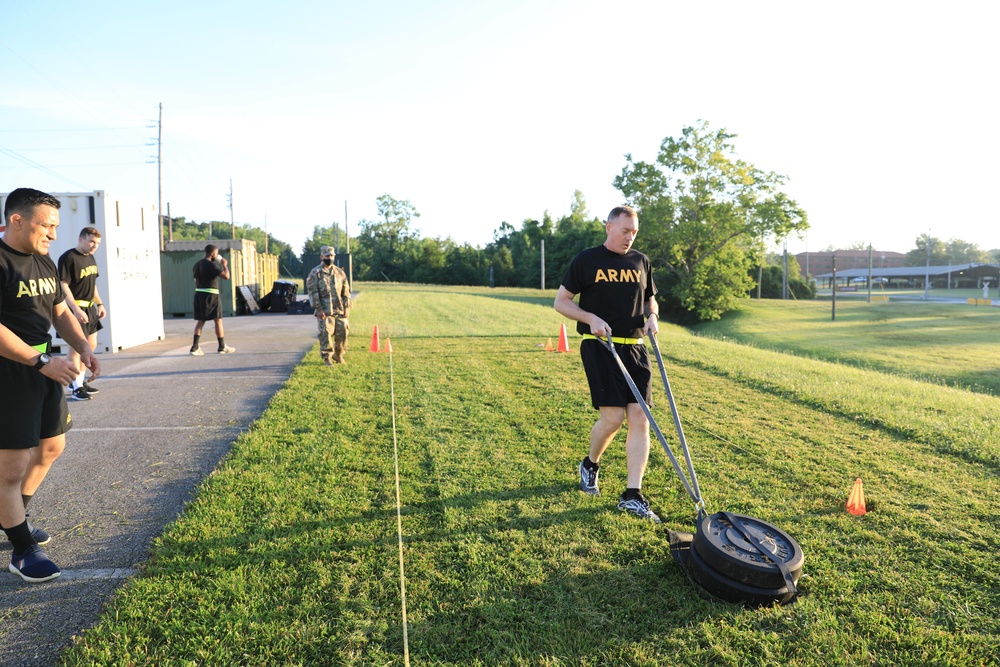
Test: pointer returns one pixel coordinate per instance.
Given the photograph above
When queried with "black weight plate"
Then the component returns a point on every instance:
(730, 590)
(724, 549)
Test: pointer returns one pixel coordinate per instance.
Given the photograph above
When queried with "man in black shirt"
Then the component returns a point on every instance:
(617, 300)
(78, 277)
(33, 409)
(207, 305)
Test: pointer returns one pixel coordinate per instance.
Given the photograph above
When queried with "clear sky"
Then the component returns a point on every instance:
(881, 114)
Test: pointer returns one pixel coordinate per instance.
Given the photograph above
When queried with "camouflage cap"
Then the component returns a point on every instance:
(327, 250)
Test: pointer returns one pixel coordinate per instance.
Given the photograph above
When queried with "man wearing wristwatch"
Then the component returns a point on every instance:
(617, 301)
(33, 407)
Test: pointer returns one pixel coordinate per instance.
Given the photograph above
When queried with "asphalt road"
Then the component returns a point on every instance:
(161, 423)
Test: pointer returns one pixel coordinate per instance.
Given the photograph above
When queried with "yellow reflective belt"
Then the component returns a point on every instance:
(207, 290)
(84, 303)
(615, 339)
(41, 347)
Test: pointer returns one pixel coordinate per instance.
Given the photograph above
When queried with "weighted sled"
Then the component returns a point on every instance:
(729, 589)
(723, 548)
(735, 557)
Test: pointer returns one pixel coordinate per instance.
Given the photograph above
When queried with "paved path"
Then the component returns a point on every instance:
(162, 422)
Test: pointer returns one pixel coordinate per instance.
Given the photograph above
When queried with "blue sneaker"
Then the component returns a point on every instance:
(639, 507)
(588, 480)
(33, 565)
(39, 535)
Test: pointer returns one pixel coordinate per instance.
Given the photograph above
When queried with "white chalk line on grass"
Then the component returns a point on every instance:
(399, 512)
(154, 428)
(101, 573)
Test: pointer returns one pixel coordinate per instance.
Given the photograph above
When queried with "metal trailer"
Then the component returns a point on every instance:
(128, 262)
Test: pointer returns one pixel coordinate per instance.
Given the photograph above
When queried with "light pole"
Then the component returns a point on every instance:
(927, 271)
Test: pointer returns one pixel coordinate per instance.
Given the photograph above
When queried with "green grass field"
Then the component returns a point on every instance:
(952, 344)
(289, 556)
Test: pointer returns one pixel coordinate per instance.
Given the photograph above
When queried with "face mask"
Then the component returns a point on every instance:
(328, 261)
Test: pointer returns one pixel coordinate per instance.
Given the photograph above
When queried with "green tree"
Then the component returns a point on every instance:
(770, 286)
(702, 212)
(964, 252)
(919, 256)
(386, 245)
(179, 229)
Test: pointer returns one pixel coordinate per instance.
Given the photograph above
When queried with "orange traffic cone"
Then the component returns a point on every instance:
(388, 345)
(563, 341)
(548, 346)
(856, 501)
(374, 346)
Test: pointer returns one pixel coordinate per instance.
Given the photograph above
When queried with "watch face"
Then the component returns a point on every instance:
(45, 358)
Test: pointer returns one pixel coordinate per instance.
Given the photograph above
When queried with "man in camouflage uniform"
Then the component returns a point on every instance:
(330, 297)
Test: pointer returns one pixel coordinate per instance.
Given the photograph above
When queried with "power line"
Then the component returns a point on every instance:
(80, 148)
(42, 168)
(96, 164)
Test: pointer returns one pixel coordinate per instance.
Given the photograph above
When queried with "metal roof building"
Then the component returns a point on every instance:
(950, 276)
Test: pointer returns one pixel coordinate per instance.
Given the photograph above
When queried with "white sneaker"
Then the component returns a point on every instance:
(197, 353)
(227, 350)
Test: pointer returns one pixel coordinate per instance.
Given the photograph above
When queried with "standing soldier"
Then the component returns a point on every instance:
(207, 304)
(78, 277)
(330, 297)
(33, 411)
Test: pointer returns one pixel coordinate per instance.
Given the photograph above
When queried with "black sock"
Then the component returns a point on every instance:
(197, 342)
(222, 343)
(20, 537)
(590, 465)
(632, 493)
(25, 499)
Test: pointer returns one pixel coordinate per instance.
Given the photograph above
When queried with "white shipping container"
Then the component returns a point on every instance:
(128, 263)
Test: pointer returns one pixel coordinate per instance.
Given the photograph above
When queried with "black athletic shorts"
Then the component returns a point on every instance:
(94, 324)
(207, 307)
(607, 384)
(32, 407)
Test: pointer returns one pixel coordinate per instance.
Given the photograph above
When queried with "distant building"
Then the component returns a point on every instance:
(816, 263)
(949, 276)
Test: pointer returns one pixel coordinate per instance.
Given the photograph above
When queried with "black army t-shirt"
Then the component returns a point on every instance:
(206, 274)
(29, 289)
(79, 271)
(614, 287)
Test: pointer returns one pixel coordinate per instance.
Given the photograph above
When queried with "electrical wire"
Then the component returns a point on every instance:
(40, 167)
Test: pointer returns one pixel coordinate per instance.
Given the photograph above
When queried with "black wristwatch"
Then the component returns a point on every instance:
(43, 360)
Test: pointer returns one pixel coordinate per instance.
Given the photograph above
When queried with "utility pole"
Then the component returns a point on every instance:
(350, 261)
(927, 271)
(159, 171)
(833, 314)
(869, 273)
(784, 271)
(543, 264)
(232, 222)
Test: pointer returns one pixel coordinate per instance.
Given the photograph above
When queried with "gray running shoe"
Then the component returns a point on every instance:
(197, 352)
(638, 507)
(227, 350)
(588, 480)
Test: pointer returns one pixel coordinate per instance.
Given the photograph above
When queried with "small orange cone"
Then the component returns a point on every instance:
(388, 345)
(563, 341)
(856, 501)
(374, 346)
(548, 346)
